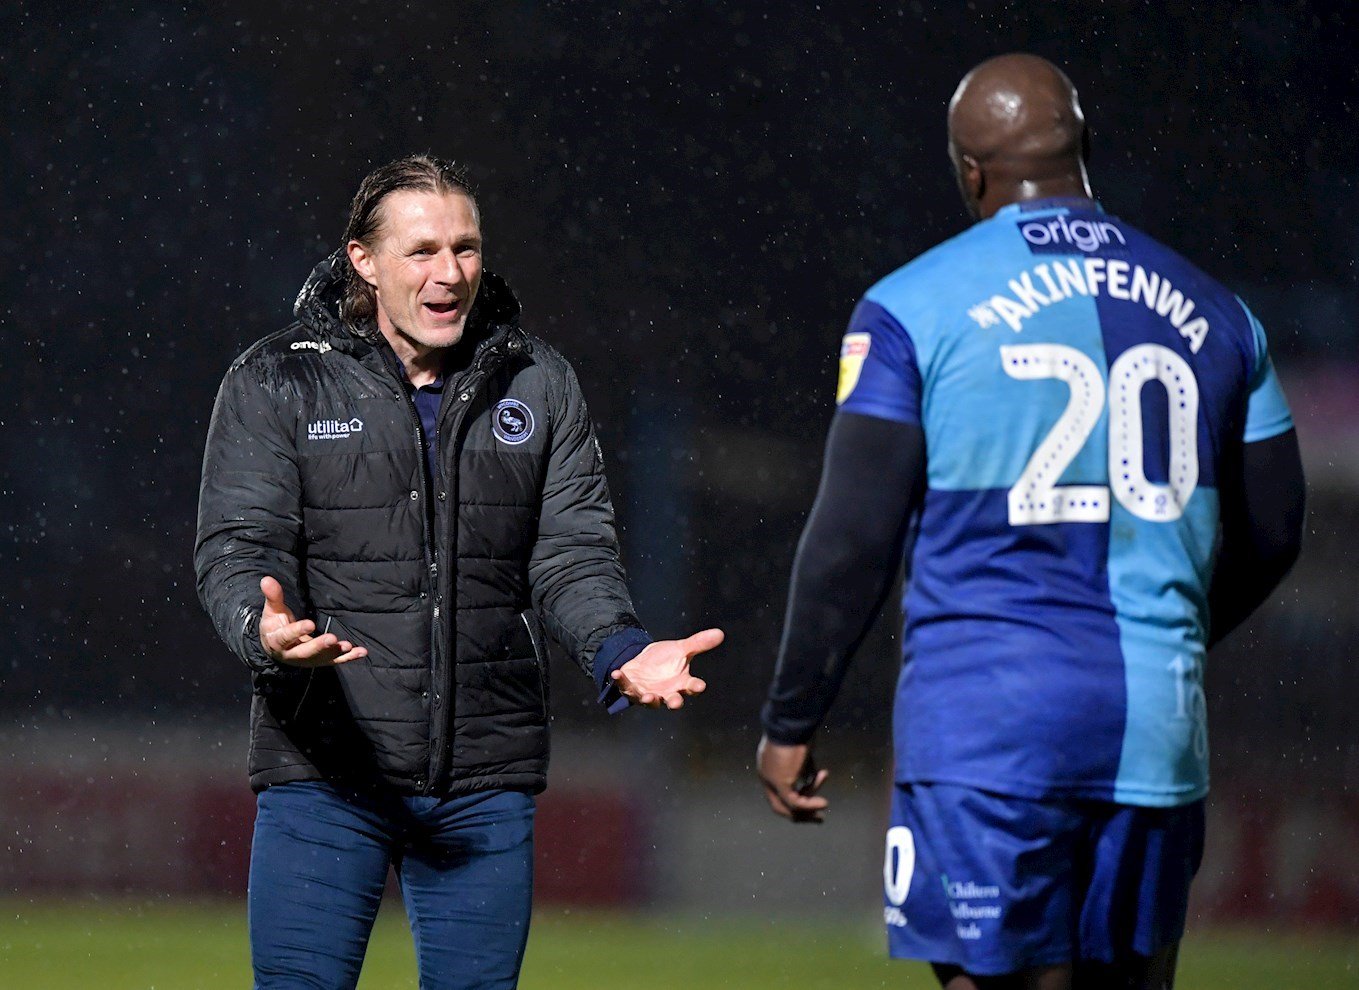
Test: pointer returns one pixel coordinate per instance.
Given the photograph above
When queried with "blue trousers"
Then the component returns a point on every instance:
(319, 864)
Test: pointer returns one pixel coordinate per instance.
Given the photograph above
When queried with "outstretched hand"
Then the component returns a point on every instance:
(290, 641)
(791, 780)
(659, 675)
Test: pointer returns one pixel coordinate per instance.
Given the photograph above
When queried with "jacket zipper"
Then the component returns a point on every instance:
(431, 553)
(443, 676)
(442, 683)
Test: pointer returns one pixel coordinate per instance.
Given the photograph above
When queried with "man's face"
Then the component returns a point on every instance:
(425, 266)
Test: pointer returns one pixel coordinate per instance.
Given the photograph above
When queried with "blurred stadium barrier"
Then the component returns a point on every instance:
(94, 809)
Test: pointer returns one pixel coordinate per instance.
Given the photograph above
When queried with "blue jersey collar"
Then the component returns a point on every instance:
(1050, 203)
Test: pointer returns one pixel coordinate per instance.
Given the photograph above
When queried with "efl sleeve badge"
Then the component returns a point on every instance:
(853, 350)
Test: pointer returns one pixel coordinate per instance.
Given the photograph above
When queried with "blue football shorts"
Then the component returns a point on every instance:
(998, 884)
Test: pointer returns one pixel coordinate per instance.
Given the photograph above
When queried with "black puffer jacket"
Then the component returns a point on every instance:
(313, 474)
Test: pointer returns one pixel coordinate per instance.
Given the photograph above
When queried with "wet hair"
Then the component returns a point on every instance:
(423, 173)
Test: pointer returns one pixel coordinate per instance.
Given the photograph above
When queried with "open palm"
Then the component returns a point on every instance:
(659, 675)
(290, 641)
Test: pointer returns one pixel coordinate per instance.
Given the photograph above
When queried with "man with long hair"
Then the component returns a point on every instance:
(402, 498)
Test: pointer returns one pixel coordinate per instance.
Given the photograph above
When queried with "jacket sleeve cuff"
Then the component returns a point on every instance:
(252, 650)
(615, 651)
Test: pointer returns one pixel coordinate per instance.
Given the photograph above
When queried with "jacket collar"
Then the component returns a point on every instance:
(493, 321)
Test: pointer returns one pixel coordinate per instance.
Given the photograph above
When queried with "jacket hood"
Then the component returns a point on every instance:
(318, 304)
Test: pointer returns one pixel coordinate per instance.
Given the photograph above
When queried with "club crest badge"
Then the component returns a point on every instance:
(511, 421)
(853, 350)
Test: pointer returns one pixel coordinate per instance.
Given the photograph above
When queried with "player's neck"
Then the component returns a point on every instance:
(1002, 192)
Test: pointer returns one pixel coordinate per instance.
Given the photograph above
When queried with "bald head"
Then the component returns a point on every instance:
(1016, 132)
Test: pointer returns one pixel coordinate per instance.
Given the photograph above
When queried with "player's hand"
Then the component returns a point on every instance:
(791, 780)
(291, 642)
(659, 675)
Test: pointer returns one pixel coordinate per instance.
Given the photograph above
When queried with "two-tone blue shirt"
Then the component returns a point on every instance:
(1080, 388)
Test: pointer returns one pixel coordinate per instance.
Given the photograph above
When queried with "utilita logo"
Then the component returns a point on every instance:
(1058, 235)
(310, 345)
(333, 429)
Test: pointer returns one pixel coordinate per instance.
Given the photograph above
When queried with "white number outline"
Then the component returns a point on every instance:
(1127, 376)
(1190, 700)
(1036, 499)
(896, 876)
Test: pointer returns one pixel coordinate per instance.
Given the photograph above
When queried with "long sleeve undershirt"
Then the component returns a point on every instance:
(851, 549)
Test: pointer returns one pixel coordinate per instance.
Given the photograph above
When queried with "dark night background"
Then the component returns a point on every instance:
(689, 198)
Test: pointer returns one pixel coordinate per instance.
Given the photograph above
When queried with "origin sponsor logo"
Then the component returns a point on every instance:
(334, 429)
(1058, 235)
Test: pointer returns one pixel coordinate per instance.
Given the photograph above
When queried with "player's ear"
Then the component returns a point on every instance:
(362, 260)
(973, 179)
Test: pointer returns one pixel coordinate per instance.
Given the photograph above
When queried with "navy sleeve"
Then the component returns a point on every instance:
(1267, 413)
(849, 555)
(615, 651)
(879, 375)
(1262, 518)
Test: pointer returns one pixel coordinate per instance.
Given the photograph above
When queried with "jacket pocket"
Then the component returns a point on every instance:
(535, 635)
